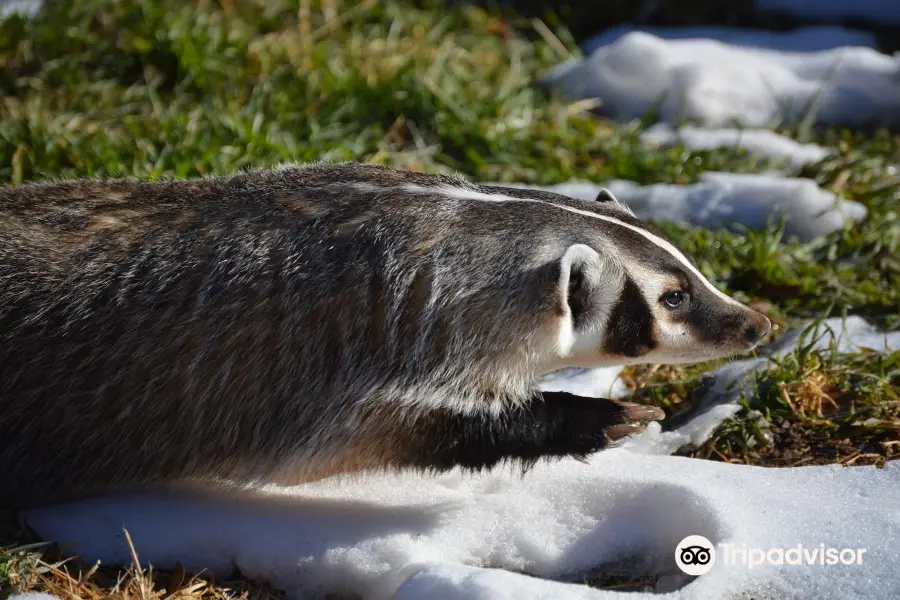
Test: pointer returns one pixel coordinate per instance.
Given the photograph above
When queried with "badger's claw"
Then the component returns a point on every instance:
(615, 432)
(642, 412)
(633, 412)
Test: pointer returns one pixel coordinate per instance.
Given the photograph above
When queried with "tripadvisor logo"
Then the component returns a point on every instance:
(696, 555)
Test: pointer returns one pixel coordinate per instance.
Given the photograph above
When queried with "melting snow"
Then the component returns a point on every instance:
(721, 85)
(730, 200)
(593, 383)
(24, 8)
(760, 142)
(803, 39)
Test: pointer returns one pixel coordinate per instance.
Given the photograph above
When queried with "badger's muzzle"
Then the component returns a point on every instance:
(756, 328)
(736, 329)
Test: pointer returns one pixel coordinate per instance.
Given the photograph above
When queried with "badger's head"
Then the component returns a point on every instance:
(629, 296)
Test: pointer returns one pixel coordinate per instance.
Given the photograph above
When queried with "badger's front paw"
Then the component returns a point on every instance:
(551, 425)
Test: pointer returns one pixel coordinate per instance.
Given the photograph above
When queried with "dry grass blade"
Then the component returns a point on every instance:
(333, 23)
(552, 40)
(29, 568)
(142, 582)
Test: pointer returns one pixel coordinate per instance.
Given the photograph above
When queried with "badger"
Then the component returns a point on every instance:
(278, 326)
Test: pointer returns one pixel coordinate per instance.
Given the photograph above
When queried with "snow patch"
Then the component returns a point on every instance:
(849, 336)
(721, 85)
(729, 201)
(593, 383)
(728, 504)
(23, 8)
(469, 537)
(760, 142)
(803, 39)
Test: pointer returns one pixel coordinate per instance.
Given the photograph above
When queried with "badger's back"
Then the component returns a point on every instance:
(245, 327)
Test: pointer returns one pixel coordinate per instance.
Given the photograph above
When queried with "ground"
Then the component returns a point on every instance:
(100, 88)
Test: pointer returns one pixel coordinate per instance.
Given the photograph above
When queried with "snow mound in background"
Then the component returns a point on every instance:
(730, 200)
(878, 12)
(465, 537)
(720, 85)
(24, 8)
(803, 39)
(724, 200)
(850, 335)
(760, 142)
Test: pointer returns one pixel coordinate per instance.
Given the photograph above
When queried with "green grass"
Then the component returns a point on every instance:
(177, 89)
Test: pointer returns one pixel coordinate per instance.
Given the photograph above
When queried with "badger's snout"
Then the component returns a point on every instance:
(757, 327)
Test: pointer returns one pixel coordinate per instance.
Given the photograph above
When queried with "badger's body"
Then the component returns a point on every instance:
(290, 324)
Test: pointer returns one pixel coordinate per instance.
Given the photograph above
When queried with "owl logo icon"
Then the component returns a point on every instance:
(695, 555)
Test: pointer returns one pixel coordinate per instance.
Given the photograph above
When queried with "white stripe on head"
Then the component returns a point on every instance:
(464, 194)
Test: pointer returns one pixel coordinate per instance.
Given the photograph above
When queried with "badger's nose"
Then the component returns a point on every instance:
(758, 328)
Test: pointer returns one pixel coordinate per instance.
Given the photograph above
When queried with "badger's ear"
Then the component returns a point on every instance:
(604, 195)
(586, 279)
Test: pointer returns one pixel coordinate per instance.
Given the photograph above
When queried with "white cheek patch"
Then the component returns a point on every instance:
(587, 345)
(675, 336)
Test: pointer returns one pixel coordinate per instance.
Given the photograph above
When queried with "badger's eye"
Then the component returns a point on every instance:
(673, 299)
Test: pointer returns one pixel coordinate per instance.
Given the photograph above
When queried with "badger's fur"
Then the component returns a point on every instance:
(284, 325)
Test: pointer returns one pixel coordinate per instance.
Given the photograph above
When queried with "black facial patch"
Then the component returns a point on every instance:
(630, 329)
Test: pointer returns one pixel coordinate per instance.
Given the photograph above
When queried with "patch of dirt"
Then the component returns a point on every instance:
(806, 444)
(801, 444)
